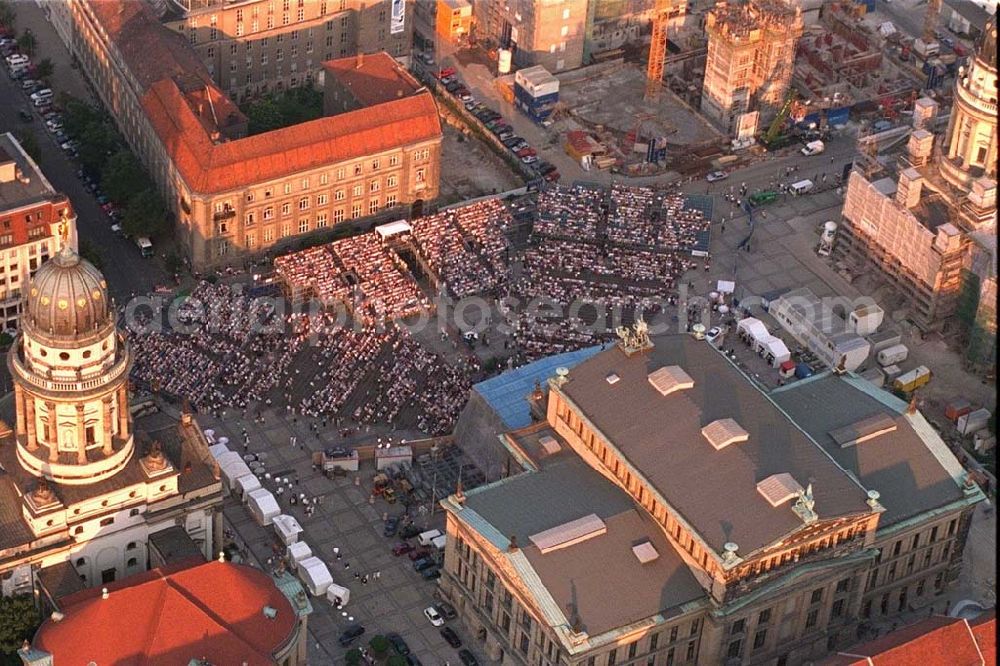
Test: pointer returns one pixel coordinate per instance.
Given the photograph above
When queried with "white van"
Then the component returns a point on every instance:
(17, 59)
(813, 148)
(426, 538)
(145, 246)
(801, 187)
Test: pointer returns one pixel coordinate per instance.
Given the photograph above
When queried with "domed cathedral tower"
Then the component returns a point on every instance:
(970, 145)
(70, 370)
(84, 500)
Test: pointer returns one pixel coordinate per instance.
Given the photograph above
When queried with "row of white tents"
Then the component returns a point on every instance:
(241, 482)
(756, 334)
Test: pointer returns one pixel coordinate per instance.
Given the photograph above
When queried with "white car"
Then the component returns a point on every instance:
(529, 159)
(717, 175)
(435, 618)
(713, 333)
(54, 125)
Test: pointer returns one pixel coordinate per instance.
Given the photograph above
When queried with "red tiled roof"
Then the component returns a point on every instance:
(216, 167)
(169, 616)
(373, 79)
(936, 641)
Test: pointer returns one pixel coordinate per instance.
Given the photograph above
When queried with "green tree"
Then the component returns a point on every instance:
(123, 176)
(379, 645)
(77, 114)
(91, 254)
(30, 144)
(396, 660)
(45, 69)
(18, 622)
(27, 42)
(173, 263)
(97, 142)
(353, 657)
(8, 16)
(264, 116)
(145, 214)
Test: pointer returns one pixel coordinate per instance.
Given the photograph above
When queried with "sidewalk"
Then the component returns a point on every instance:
(64, 78)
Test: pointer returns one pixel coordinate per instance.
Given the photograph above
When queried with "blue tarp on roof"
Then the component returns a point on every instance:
(507, 393)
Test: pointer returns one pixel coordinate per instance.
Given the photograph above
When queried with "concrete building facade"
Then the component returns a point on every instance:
(751, 51)
(550, 33)
(31, 214)
(626, 535)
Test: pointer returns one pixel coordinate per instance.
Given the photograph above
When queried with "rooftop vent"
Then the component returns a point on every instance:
(568, 534)
(779, 488)
(270, 613)
(670, 378)
(549, 445)
(723, 432)
(613, 379)
(645, 552)
(863, 430)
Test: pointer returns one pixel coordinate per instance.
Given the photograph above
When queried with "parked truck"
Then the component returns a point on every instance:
(801, 187)
(912, 380)
(892, 355)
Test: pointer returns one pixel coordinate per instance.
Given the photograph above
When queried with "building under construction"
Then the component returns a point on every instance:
(907, 218)
(751, 49)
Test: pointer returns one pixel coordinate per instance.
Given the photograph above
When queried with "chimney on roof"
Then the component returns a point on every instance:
(459, 494)
(104, 593)
(512, 547)
(911, 408)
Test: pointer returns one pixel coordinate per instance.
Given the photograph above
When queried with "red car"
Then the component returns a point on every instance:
(524, 152)
(401, 548)
(415, 555)
(552, 176)
(448, 71)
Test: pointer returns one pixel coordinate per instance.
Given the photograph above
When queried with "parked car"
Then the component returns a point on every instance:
(511, 141)
(470, 104)
(446, 610)
(401, 548)
(431, 573)
(526, 152)
(552, 177)
(433, 616)
(504, 133)
(713, 333)
(716, 175)
(409, 532)
(398, 644)
(529, 159)
(544, 167)
(426, 58)
(30, 85)
(466, 97)
(423, 563)
(391, 525)
(447, 71)
(351, 634)
(450, 637)
(468, 659)
(54, 125)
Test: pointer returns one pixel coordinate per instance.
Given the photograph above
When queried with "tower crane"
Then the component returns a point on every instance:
(931, 20)
(657, 49)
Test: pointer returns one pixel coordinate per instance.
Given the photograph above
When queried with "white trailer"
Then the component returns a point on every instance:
(425, 538)
(801, 187)
(892, 355)
(813, 148)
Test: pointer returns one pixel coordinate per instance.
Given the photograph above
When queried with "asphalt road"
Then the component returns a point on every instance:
(126, 271)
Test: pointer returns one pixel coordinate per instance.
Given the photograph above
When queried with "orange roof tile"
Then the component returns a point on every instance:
(373, 79)
(936, 641)
(984, 628)
(169, 616)
(209, 167)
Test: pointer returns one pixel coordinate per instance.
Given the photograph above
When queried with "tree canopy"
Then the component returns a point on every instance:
(145, 214)
(18, 621)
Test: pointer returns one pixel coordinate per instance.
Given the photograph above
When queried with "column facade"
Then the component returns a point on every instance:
(108, 447)
(81, 436)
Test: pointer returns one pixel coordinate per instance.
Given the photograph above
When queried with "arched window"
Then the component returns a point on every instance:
(132, 562)
(132, 545)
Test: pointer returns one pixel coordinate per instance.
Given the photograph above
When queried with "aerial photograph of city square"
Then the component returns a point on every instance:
(315, 315)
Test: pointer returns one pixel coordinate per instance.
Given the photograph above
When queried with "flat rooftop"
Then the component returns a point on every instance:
(912, 471)
(715, 491)
(566, 489)
(15, 192)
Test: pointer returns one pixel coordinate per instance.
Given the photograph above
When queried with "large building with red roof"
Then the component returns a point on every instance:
(207, 613)
(235, 194)
(936, 641)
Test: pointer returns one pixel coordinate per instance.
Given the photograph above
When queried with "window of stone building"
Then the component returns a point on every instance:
(812, 618)
(866, 608)
(734, 649)
(390, 200)
(110, 520)
(843, 585)
(690, 651)
(612, 657)
(737, 627)
(884, 604)
(896, 547)
(303, 225)
(951, 527)
(338, 216)
(759, 639)
(670, 657)
(934, 532)
(920, 587)
(673, 633)
(838, 608)
(286, 230)
(356, 211)
(632, 649)
(304, 203)
(694, 627)
(764, 616)
(817, 596)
